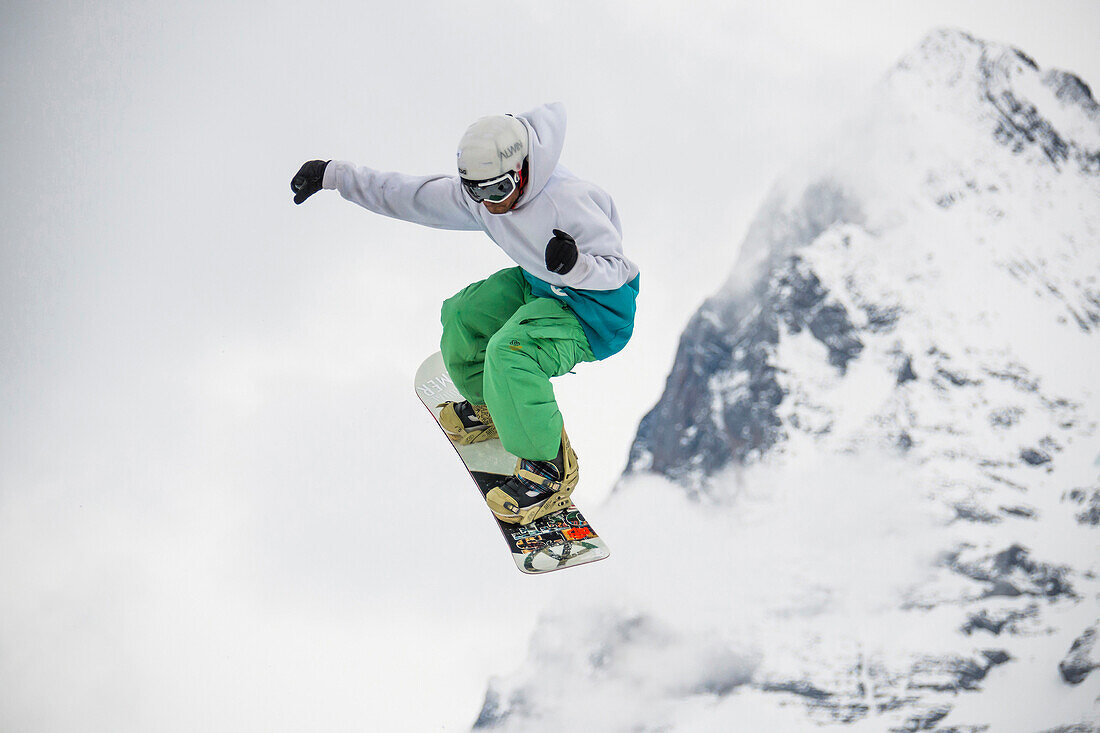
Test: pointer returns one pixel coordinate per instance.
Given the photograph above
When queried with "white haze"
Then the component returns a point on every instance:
(221, 507)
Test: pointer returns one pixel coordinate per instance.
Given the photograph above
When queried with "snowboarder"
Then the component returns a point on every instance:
(570, 300)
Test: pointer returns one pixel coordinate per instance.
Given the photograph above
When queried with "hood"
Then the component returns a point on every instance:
(546, 131)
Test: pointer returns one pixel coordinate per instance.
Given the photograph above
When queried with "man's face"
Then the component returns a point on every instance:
(502, 207)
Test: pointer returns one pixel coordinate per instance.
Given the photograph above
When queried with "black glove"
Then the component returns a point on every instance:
(561, 253)
(308, 180)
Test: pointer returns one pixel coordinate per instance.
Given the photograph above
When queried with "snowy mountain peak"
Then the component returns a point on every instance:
(969, 162)
(943, 57)
(1051, 109)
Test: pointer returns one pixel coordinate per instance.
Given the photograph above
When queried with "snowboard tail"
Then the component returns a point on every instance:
(558, 540)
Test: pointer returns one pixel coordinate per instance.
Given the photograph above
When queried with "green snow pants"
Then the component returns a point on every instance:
(501, 345)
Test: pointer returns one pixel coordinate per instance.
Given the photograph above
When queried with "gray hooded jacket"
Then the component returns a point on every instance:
(553, 199)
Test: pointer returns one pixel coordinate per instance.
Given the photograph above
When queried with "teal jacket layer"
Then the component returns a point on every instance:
(607, 316)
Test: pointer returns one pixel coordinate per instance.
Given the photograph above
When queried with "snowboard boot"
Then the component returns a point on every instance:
(465, 423)
(536, 488)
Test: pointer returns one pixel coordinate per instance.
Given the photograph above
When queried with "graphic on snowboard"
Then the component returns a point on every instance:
(559, 540)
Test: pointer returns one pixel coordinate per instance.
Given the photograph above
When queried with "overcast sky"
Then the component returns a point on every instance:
(221, 505)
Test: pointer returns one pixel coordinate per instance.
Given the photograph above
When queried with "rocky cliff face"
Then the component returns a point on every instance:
(875, 460)
(722, 400)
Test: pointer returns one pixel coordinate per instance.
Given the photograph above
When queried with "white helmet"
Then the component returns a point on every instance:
(491, 147)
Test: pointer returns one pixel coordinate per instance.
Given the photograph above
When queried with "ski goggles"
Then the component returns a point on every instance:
(493, 190)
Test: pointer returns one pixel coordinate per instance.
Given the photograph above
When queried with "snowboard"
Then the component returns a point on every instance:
(559, 540)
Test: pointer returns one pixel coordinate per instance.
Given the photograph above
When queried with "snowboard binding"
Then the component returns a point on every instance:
(465, 423)
(536, 488)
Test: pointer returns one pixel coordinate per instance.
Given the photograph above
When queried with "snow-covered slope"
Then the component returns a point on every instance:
(870, 493)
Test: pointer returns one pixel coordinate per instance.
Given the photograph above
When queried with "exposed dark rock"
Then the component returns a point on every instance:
(1025, 58)
(971, 512)
(1064, 406)
(880, 318)
(845, 706)
(996, 622)
(684, 437)
(1071, 89)
(721, 398)
(1005, 481)
(947, 200)
(953, 674)
(846, 701)
(1021, 125)
(800, 688)
(1019, 511)
(957, 378)
(1050, 445)
(493, 713)
(1082, 658)
(1011, 573)
(905, 371)
(1005, 417)
(1091, 513)
(1035, 457)
(1016, 375)
(809, 307)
